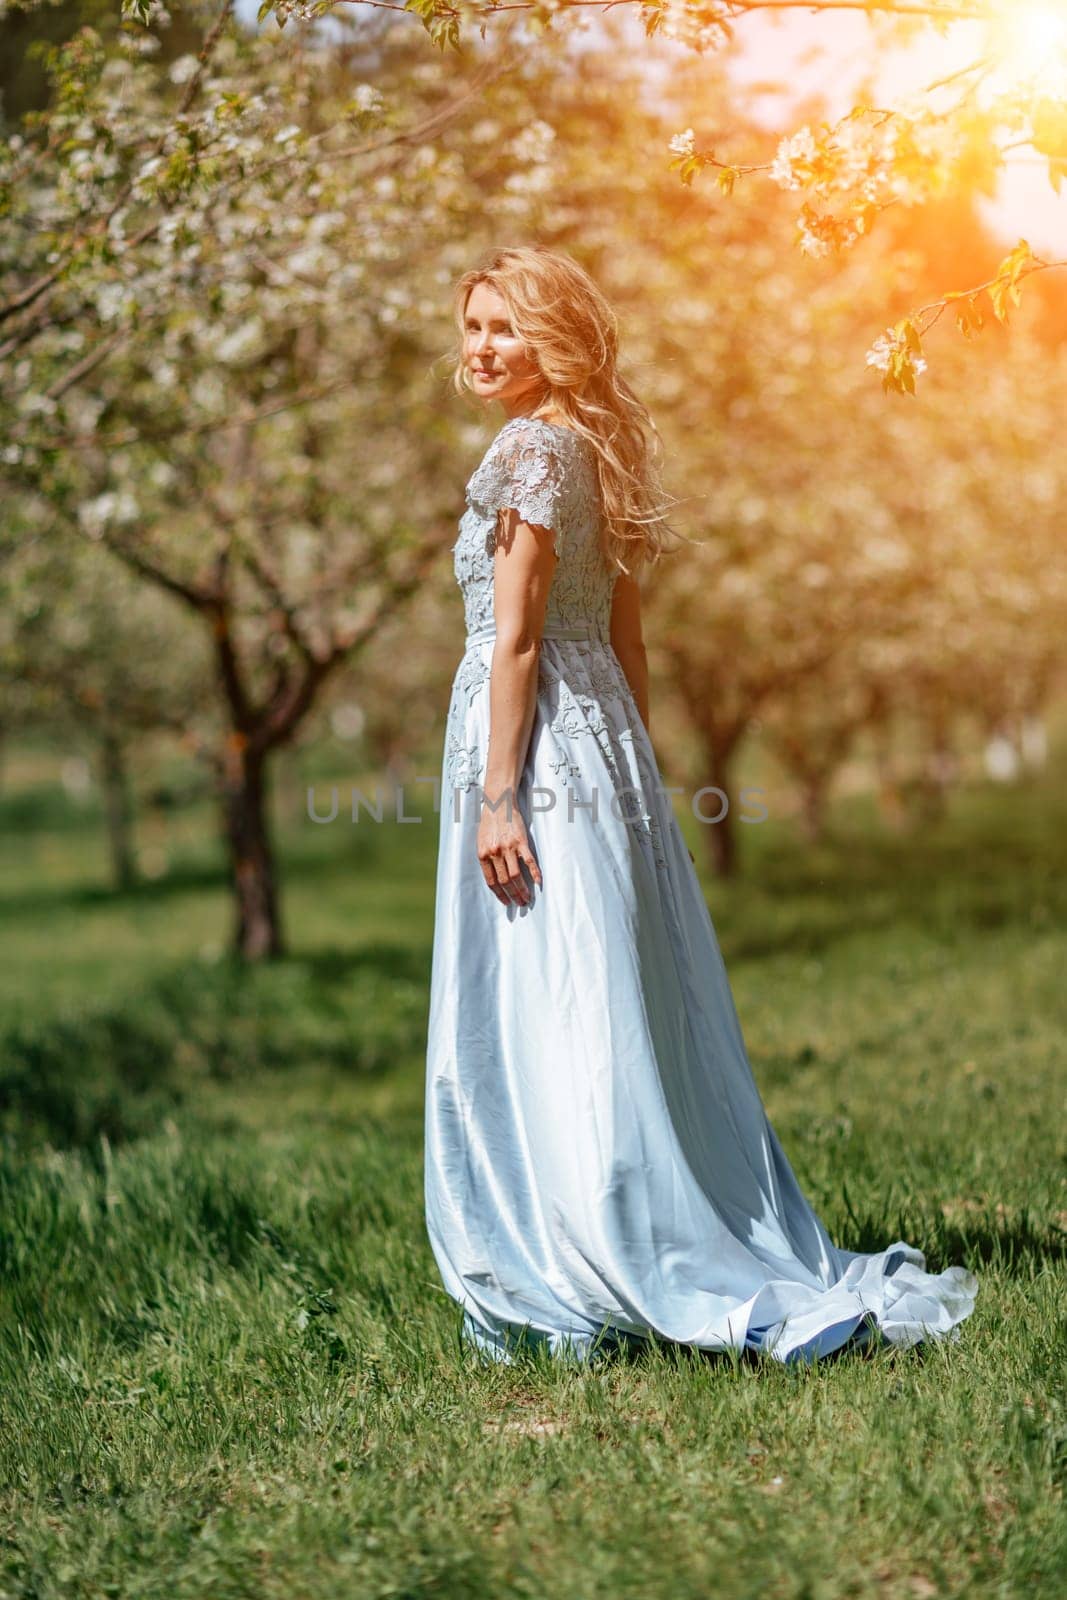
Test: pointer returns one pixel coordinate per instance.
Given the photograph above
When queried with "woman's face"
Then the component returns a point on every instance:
(499, 366)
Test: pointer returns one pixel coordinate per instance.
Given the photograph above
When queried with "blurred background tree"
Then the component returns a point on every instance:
(225, 379)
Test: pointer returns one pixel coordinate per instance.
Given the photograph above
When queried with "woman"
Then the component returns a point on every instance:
(599, 1165)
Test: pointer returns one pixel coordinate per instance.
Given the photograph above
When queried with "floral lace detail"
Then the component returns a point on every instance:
(598, 666)
(649, 825)
(580, 692)
(472, 674)
(578, 711)
(563, 763)
(546, 472)
(463, 764)
(525, 467)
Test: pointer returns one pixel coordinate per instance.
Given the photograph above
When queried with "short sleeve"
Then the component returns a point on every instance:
(525, 469)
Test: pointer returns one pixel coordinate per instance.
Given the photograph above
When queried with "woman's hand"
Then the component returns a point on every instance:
(502, 845)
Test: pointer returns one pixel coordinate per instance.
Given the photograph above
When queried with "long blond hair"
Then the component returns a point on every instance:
(571, 332)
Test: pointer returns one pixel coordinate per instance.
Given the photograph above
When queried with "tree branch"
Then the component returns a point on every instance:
(960, 12)
(200, 600)
(34, 291)
(118, 441)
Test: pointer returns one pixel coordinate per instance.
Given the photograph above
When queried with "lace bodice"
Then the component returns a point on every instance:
(547, 473)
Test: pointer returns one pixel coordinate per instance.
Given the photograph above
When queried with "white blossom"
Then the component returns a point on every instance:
(893, 554)
(325, 222)
(812, 245)
(368, 98)
(131, 44)
(533, 180)
(207, 391)
(117, 506)
(111, 300)
(884, 349)
(241, 342)
(684, 144)
(801, 147)
(183, 69)
(532, 142)
(881, 352)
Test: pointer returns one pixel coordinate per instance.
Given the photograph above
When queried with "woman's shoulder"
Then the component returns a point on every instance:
(538, 460)
(522, 439)
(533, 426)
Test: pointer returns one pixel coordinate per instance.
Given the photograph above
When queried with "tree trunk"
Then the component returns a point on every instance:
(723, 847)
(813, 806)
(722, 835)
(890, 798)
(941, 765)
(118, 811)
(257, 933)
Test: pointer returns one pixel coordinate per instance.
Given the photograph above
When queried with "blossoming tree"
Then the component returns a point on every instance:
(1007, 92)
(211, 368)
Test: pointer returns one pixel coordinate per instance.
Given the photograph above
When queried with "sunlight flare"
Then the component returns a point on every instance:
(1032, 39)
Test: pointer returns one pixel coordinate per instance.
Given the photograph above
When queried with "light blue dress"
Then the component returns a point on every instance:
(599, 1164)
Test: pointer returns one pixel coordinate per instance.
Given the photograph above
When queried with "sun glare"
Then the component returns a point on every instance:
(1032, 40)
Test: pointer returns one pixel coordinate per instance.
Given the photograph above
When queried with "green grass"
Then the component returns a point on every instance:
(227, 1366)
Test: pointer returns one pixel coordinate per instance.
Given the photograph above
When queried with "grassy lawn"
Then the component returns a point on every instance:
(227, 1366)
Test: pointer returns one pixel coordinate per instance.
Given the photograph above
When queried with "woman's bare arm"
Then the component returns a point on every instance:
(627, 640)
(522, 577)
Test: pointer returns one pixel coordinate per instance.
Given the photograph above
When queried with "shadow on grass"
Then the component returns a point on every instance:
(618, 1348)
(993, 860)
(183, 878)
(1015, 1245)
(1015, 1249)
(118, 1069)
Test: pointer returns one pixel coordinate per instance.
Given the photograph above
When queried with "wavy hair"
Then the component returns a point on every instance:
(572, 334)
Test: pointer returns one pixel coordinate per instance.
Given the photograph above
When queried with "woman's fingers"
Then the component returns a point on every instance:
(502, 870)
(502, 861)
(535, 870)
(499, 875)
(489, 873)
(516, 883)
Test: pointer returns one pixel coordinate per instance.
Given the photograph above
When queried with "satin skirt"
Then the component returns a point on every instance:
(599, 1166)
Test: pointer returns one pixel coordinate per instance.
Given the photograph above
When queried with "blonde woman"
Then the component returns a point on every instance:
(599, 1164)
